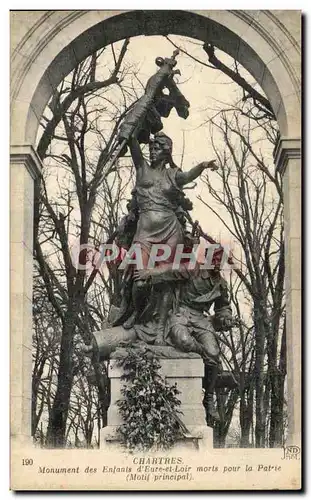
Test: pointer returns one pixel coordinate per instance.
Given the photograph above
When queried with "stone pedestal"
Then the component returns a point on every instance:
(187, 373)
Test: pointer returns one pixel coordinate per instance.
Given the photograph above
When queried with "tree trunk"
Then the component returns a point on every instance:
(277, 406)
(58, 418)
(276, 436)
(259, 378)
(220, 431)
(36, 378)
(246, 417)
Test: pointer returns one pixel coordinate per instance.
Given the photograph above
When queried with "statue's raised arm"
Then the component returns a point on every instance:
(136, 153)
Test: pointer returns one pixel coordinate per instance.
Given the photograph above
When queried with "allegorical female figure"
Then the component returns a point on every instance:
(158, 193)
(158, 196)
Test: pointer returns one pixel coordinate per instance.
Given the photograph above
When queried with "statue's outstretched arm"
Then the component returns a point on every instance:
(183, 178)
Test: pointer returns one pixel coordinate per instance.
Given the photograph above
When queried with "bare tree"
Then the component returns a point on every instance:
(236, 384)
(250, 191)
(260, 105)
(76, 174)
(46, 338)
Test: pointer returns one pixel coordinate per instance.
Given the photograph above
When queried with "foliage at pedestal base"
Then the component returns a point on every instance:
(149, 406)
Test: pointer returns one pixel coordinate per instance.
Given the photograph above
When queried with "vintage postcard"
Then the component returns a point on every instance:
(155, 250)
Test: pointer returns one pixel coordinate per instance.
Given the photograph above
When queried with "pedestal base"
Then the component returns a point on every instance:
(201, 439)
(187, 373)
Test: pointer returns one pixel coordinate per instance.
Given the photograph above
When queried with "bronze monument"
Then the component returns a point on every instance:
(164, 305)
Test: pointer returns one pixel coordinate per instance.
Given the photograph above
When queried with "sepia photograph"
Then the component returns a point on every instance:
(155, 250)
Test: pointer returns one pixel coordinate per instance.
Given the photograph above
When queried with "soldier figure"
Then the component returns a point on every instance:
(190, 328)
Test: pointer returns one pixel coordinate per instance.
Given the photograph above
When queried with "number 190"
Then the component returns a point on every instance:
(27, 461)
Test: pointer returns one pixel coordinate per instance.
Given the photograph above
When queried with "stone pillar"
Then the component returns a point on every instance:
(188, 374)
(24, 168)
(288, 162)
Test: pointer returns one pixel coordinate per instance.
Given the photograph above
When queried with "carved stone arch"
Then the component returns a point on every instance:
(60, 40)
